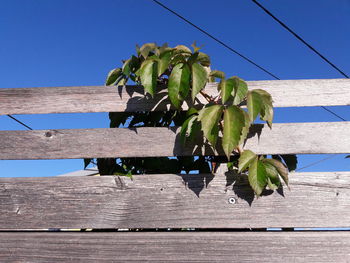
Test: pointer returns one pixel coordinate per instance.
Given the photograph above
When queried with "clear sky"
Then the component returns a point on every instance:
(74, 43)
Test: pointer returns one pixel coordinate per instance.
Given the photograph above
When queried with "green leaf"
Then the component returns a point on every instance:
(246, 128)
(87, 161)
(257, 176)
(130, 65)
(226, 87)
(233, 125)
(113, 75)
(179, 84)
(272, 174)
(209, 118)
(266, 113)
(146, 48)
(164, 61)
(203, 59)
(199, 79)
(240, 90)
(217, 74)
(281, 168)
(254, 105)
(148, 75)
(189, 129)
(192, 59)
(245, 159)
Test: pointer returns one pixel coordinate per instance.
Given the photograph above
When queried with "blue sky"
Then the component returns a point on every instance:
(75, 43)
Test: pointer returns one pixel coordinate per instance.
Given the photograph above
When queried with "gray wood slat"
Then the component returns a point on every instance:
(288, 138)
(286, 93)
(174, 201)
(176, 247)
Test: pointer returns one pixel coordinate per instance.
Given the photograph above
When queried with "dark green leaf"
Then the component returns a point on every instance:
(179, 83)
(254, 105)
(348, 156)
(240, 90)
(148, 75)
(245, 159)
(272, 174)
(257, 176)
(233, 125)
(209, 118)
(164, 62)
(245, 129)
(192, 59)
(189, 129)
(281, 168)
(226, 87)
(199, 79)
(113, 75)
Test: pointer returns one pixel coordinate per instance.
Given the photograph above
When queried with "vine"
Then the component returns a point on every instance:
(218, 121)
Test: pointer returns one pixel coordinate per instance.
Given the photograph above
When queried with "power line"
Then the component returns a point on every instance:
(216, 39)
(317, 162)
(300, 38)
(25, 125)
(252, 62)
(234, 51)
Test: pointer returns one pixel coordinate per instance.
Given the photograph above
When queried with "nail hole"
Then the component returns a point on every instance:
(48, 134)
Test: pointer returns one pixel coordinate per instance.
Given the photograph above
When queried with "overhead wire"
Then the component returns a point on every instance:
(23, 124)
(255, 64)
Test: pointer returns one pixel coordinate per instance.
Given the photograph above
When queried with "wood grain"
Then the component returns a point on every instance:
(174, 201)
(286, 138)
(176, 247)
(285, 93)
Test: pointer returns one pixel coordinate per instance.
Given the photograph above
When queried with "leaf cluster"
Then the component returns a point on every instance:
(221, 122)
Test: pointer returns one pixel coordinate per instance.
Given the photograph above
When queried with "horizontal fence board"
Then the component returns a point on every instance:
(172, 201)
(285, 93)
(289, 138)
(176, 247)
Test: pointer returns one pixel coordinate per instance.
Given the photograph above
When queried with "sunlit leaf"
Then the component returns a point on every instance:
(233, 125)
(113, 75)
(245, 159)
(148, 75)
(146, 48)
(257, 176)
(254, 105)
(226, 87)
(199, 79)
(281, 168)
(217, 74)
(240, 90)
(203, 59)
(209, 118)
(183, 49)
(266, 112)
(179, 84)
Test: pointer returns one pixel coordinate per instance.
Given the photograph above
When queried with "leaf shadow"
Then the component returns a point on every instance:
(197, 182)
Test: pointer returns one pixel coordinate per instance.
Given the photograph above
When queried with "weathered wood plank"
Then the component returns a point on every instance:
(287, 138)
(175, 201)
(176, 247)
(286, 93)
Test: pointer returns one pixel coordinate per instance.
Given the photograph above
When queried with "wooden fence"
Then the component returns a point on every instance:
(30, 207)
